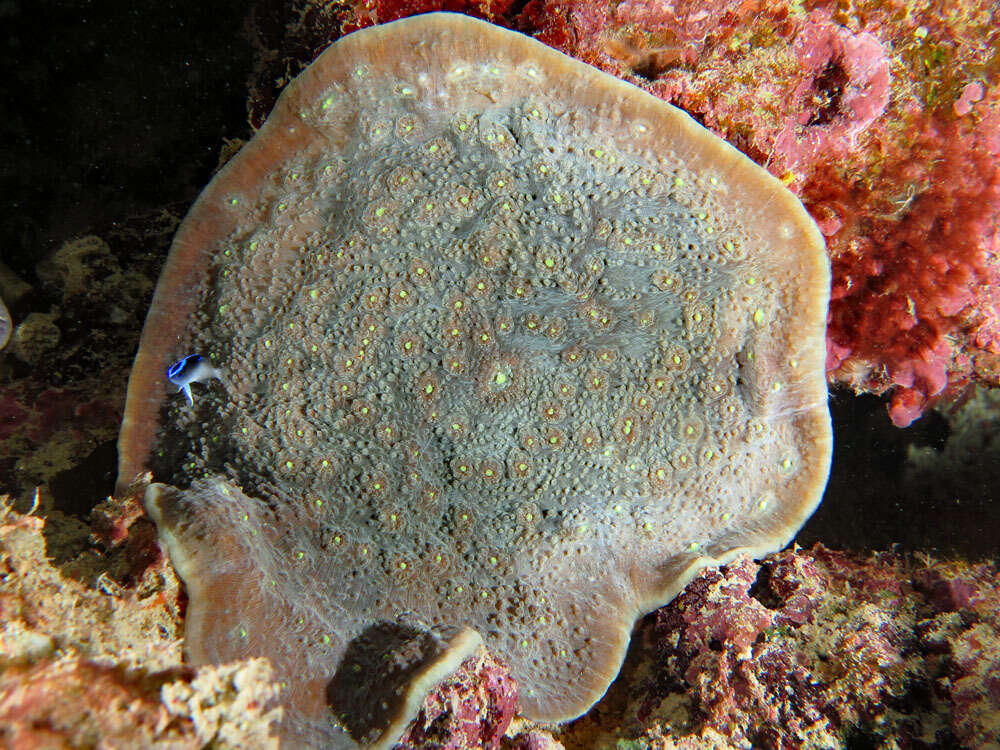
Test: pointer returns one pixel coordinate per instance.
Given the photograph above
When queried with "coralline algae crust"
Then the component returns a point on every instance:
(509, 350)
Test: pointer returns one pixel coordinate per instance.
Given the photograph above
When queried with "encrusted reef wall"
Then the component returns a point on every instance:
(813, 648)
(804, 649)
(884, 117)
(90, 651)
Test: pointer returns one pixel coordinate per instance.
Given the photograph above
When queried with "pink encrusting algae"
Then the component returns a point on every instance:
(813, 648)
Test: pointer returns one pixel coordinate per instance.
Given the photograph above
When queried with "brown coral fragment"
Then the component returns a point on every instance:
(586, 191)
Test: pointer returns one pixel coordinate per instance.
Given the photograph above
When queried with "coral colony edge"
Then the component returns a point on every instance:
(503, 351)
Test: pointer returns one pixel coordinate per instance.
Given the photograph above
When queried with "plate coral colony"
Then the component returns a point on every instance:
(496, 349)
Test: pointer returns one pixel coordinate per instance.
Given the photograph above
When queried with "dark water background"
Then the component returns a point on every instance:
(111, 110)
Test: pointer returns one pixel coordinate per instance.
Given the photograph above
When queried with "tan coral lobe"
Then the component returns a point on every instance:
(509, 349)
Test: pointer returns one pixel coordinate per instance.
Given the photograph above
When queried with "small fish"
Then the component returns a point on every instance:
(192, 369)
